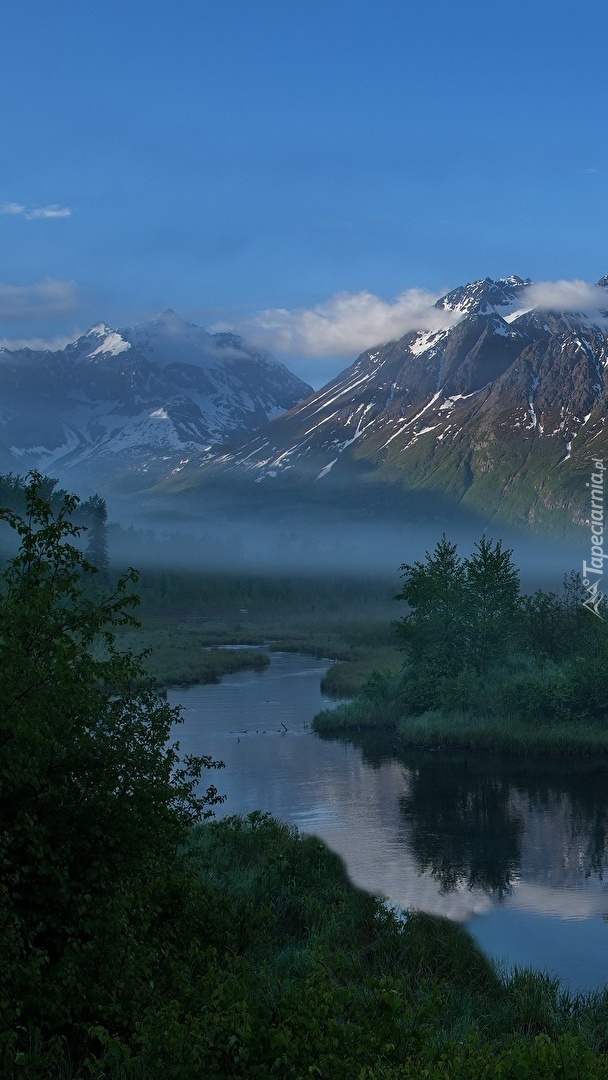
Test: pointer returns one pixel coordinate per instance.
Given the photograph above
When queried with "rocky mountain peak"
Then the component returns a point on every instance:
(484, 297)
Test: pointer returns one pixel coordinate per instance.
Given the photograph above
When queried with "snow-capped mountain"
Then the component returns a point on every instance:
(124, 406)
(499, 412)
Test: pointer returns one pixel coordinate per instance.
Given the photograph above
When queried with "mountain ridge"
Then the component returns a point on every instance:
(496, 413)
(121, 406)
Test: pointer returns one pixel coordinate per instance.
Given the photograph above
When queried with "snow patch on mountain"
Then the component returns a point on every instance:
(114, 400)
(112, 344)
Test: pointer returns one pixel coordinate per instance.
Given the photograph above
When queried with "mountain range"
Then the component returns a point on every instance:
(118, 409)
(497, 414)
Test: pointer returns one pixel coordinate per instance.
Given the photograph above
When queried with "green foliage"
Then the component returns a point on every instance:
(346, 679)
(281, 968)
(94, 805)
(432, 633)
(492, 596)
(485, 666)
(94, 514)
(462, 613)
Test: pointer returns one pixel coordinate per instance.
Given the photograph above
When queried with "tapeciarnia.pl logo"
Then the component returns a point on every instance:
(594, 571)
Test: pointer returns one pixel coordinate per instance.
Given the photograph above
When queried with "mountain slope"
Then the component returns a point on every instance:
(124, 406)
(498, 413)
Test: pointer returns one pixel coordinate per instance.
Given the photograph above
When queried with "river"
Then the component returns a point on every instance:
(514, 849)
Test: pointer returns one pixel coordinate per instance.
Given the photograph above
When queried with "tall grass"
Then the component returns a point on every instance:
(347, 678)
(502, 734)
(180, 654)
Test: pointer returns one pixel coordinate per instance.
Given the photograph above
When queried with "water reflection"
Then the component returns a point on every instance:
(492, 823)
(515, 848)
(463, 829)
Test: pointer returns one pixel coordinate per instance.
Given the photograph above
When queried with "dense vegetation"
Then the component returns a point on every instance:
(140, 940)
(487, 667)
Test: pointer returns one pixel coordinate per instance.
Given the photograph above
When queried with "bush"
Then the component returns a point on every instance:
(528, 697)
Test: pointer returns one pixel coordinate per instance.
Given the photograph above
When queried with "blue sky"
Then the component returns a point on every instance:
(235, 157)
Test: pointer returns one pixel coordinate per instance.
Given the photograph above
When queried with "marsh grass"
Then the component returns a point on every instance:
(180, 647)
(350, 716)
(501, 734)
(346, 679)
(183, 614)
(181, 655)
(466, 730)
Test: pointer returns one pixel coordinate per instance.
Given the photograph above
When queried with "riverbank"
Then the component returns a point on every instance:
(475, 733)
(437, 730)
(179, 654)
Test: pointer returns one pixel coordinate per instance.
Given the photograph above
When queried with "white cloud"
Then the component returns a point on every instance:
(52, 211)
(566, 296)
(33, 213)
(346, 323)
(41, 300)
(40, 343)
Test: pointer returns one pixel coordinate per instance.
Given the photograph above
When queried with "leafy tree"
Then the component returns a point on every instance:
(462, 612)
(432, 631)
(492, 601)
(462, 617)
(94, 513)
(95, 805)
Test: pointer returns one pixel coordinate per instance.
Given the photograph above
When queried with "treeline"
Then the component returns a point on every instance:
(484, 664)
(168, 588)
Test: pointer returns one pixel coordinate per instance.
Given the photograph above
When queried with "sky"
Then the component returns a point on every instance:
(310, 173)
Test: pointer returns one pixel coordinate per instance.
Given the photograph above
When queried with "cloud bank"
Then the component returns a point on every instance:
(566, 296)
(44, 299)
(38, 344)
(33, 213)
(346, 323)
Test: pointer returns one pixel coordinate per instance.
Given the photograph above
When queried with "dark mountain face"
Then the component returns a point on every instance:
(500, 414)
(123, 407)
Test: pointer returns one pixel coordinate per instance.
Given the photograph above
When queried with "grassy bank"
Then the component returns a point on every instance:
(181, 653)
(473, 732)
(436, 729)
(284, 969)
(517, 706)
(345, 679)
(351, 716)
